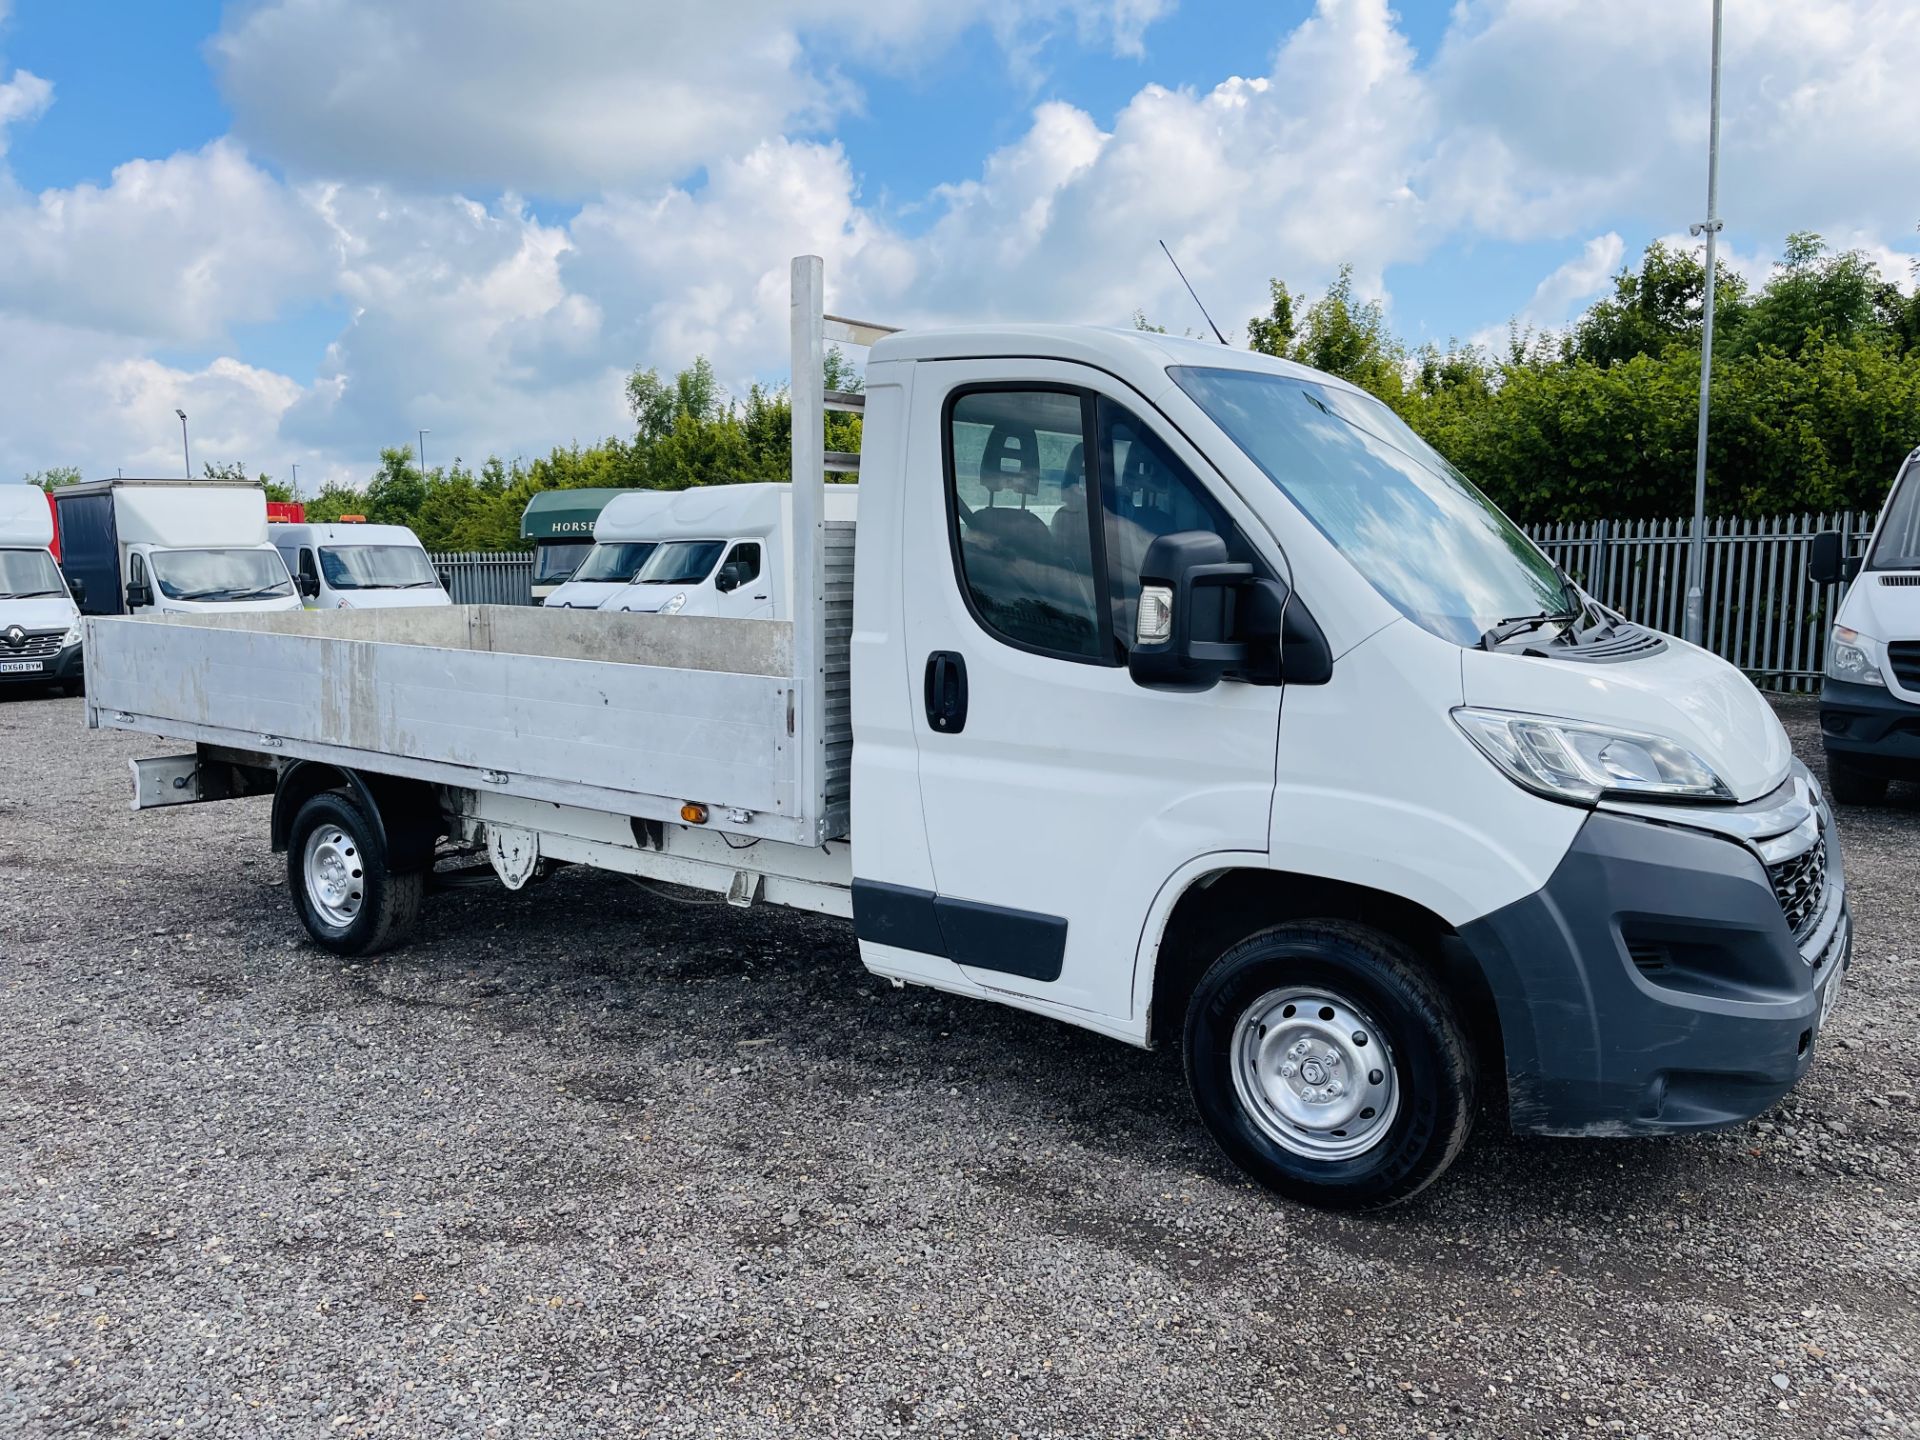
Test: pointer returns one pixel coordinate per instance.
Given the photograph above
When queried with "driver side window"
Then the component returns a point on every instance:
(1016, 486)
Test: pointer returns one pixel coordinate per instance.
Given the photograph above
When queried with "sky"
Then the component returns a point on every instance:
(321, 226)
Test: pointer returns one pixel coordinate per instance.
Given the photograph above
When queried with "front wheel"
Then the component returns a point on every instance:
(349, 899)
(1328, 1066)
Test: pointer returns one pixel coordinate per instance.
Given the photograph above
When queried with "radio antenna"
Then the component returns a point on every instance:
(1190, 290)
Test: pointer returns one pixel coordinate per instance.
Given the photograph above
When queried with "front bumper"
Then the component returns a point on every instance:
(65, 665)
(1653, 986)
(1870, 729)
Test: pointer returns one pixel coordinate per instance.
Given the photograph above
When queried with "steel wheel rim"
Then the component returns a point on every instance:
(335, 875)
(1315, 1073)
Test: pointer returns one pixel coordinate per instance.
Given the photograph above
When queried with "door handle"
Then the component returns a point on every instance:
(947, 691)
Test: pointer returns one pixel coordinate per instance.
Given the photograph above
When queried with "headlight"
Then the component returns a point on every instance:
(672, 607)
(1573, 761)
(1850, 658)
(72, 637)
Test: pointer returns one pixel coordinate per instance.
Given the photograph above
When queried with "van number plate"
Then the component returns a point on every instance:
(21, 667)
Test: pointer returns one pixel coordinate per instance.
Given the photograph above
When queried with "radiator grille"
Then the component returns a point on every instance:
(1800, 883)
(34, 645)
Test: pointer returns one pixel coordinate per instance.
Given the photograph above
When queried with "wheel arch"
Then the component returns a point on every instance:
(1205, 912)
(405, 813)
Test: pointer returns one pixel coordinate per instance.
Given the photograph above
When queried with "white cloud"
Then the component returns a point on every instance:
(1567, 290)
(174, 250)
(23, 98)
(572, 97)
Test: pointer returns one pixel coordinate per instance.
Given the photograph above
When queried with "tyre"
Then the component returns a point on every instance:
(1328, 1066)
(351, 902)
(71, 688)
(1853, 786)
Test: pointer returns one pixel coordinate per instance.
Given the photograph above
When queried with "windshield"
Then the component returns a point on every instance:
(1897, 544)
(28, 572)
(1419, 531)
(617, 563)
(555, 560)
(220, 574)
(681, 562)
(376, 567)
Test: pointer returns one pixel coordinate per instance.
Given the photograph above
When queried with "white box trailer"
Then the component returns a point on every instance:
(1028, 733)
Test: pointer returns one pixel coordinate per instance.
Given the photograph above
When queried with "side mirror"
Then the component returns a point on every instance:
(77, 589)
(728, 579)
(310, 586)
(1824, 558)
(139, 595)
(1202, 615)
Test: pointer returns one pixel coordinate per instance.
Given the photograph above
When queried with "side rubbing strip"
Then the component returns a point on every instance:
(896, 915)
(981, 937)
(1014, 942)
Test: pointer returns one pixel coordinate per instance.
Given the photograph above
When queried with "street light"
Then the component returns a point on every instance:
(185, 453)
(296, 479)
(1710, 227)
(423, 451)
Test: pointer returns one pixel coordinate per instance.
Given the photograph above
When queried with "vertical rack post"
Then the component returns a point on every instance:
(809, 539)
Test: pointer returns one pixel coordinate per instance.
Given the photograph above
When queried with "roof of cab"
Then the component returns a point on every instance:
(1135, 355)
(350, 532)
(709, 512)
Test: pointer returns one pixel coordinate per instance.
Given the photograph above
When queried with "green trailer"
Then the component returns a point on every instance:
(560, 525)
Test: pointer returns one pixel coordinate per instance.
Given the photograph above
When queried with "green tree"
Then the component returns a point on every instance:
(53, 477)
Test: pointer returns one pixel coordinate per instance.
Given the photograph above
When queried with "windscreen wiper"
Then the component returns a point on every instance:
(30, 594)
(1502, 631)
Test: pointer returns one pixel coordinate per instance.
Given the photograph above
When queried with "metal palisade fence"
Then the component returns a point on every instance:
(481, 577)
(1762, 612)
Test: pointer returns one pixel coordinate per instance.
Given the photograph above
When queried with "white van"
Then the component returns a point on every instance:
(1870, 698)
(353, 566)
(625, 534)
(180, 547)
(723, 550)
(39, 623)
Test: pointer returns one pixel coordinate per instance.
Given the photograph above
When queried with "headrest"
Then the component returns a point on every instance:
(1011, 460)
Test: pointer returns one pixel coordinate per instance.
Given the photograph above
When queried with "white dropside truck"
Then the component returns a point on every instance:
(1175, 692)
(39, 622)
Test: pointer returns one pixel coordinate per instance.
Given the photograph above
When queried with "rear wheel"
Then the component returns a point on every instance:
(1328, 1066)
(1854, 786)
(347, 896)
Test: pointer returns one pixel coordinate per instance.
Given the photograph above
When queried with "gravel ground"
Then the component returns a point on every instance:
(582, 1161)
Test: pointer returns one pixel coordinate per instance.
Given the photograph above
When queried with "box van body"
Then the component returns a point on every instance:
(1870, 694)
(179, 547)
(626, 533)
(358, 567)
(559, 523)
(39, 623)
(722, 550)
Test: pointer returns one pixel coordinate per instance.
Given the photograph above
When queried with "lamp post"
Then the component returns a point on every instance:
(296, 479)
(185, 453)
(423, 452)
(1710, 227)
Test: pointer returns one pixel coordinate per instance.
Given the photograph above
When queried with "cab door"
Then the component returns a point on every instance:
(1058, 795)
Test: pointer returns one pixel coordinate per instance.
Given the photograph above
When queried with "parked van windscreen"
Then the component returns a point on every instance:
(1417, 529)
(616, 562)
(1897, 546)
(25, 574)
(220, 574)
(681, 562)
(376, 567)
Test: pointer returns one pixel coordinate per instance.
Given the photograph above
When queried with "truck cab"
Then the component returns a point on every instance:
(722, 550)
(39, 622)
(356, 566)
(1870, 692)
